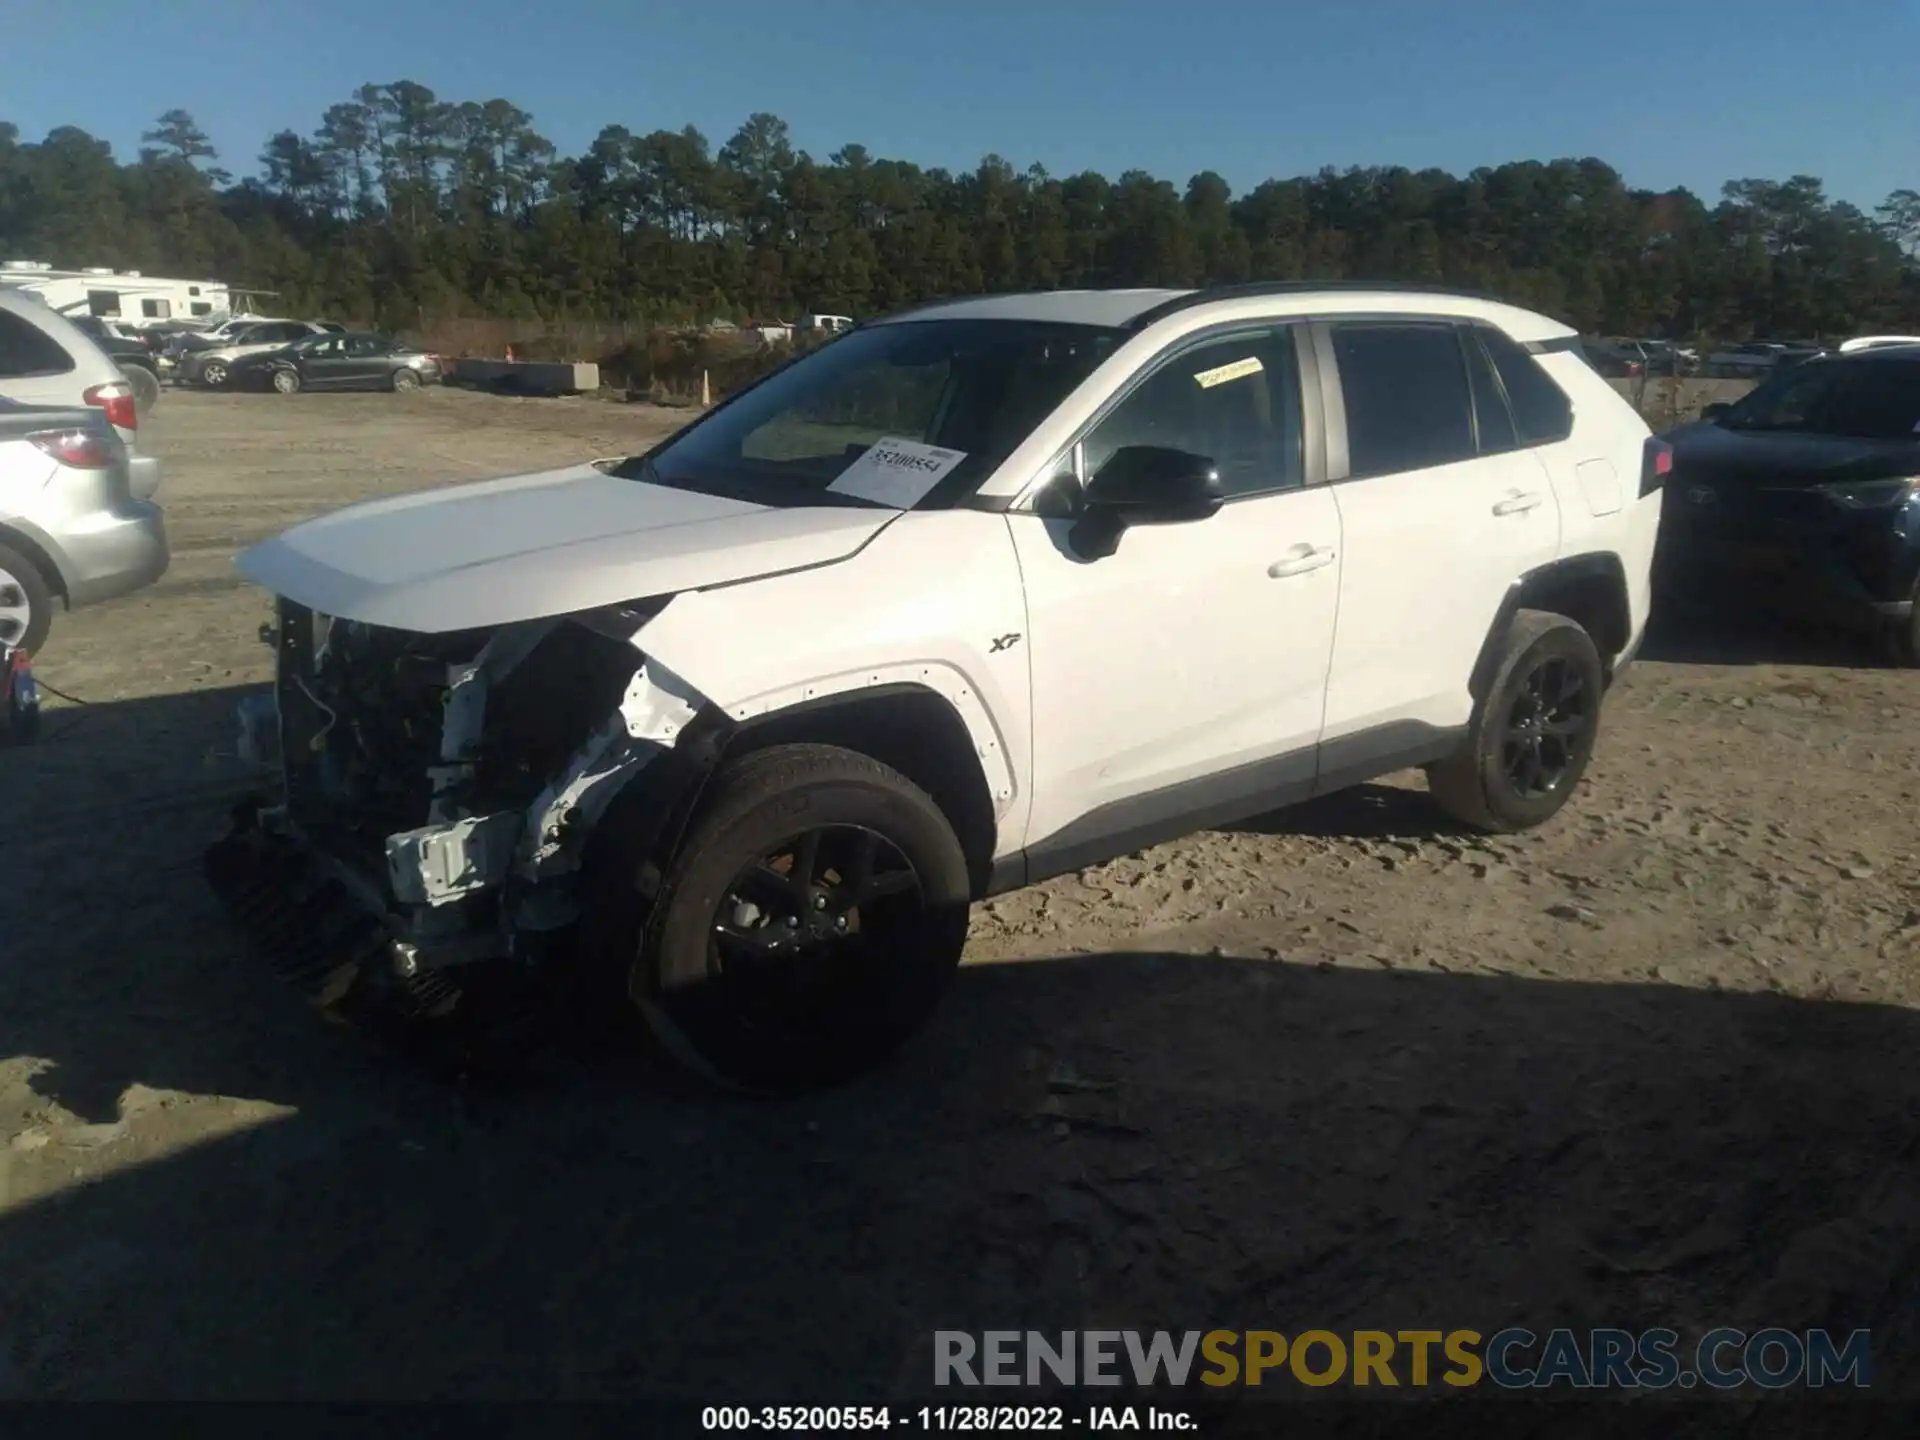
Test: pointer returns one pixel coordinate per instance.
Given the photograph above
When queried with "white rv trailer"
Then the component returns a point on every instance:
(126, 297)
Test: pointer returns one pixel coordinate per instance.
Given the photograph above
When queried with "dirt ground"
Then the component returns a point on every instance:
(1342, 1068)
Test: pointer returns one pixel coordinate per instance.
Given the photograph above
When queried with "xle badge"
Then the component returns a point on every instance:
(1004, 642)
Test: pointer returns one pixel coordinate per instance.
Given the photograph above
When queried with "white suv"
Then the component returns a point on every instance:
(975, 595)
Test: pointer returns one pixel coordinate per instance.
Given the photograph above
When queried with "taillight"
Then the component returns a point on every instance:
(116, 398)
(1656, 464)
(81, 449)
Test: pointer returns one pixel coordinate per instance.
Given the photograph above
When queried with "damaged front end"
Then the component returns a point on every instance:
(437, 796)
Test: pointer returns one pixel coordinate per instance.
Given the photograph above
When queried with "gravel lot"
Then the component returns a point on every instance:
(1341, 1068)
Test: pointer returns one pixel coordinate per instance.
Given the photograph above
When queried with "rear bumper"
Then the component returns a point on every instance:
(112, 552)
(143, 476)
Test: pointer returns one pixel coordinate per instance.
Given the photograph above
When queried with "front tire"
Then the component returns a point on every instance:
(1530, 744)
(286, 382)
(805, 929)
(26, 603)
(214, 375)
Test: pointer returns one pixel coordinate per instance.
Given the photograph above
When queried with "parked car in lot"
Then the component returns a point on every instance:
(133, 353)
(46, 360)
(731, 732)
(1615, 359)
(1758, 358)
(351, 361)
(75, 527)
(1803, 495)
(231, 331)
(212, 367)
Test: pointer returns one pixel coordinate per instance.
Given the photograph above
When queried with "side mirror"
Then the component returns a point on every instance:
(1715, 410)
(1152, 485)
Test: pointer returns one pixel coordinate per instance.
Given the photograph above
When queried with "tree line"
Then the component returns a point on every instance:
(402, 209)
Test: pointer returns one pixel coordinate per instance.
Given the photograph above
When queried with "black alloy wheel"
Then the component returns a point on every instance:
(1546, 725)
(802, 933)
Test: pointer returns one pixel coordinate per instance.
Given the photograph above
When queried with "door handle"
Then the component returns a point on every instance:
(1300, 560)
(1518, 503)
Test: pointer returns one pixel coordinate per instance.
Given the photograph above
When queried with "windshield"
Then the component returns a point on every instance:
(1863, 399)
(952, 398)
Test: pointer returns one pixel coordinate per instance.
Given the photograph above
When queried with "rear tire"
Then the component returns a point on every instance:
(214, 375)
(146, 387)
(26, 603)
(286, 382)
(1530, 744)
(745, 994)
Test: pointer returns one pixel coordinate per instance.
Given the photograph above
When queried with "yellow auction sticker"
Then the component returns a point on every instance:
(1220, 374)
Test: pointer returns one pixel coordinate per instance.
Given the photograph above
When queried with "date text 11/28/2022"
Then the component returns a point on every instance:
(812, 1419)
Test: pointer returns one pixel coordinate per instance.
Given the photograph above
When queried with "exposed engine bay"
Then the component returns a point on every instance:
(448, 784)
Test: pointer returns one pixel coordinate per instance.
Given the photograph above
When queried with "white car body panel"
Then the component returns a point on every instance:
(922, 605)
(1605, 429)
(1429, 559)
(527, 547)
(1178, 655)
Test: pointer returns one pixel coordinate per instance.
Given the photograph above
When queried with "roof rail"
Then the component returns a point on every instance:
(1257, 288)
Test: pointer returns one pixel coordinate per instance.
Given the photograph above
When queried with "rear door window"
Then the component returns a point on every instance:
(1407, 400)
(26, 350)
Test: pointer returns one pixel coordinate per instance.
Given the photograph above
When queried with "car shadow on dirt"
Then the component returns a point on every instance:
(1360, 812)
(1159, 1140)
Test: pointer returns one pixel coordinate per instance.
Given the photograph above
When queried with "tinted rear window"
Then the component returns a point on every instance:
(1408, 406)
(1541, 411)
(26, 350)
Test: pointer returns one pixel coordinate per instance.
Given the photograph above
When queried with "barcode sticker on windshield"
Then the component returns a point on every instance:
(896, 472)
(1220, 374)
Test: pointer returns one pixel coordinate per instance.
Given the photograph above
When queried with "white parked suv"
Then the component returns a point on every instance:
(978, 594)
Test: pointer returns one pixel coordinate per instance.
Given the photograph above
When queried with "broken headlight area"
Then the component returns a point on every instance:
(443, 786)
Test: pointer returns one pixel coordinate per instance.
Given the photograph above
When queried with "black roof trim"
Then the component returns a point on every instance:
(1261, 288)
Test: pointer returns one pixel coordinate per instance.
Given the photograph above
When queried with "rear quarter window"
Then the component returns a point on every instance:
(1542, 413)
(27, 351)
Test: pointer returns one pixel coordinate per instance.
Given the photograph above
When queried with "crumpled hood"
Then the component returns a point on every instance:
(528, 547)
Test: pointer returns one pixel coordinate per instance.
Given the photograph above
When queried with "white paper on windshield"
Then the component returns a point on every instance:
(896, 472)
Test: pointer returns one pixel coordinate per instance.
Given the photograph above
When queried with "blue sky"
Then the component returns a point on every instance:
(1678, 93)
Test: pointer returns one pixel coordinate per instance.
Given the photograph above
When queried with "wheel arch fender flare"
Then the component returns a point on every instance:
(34, 546)
(658, 802)
(1598, 578)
